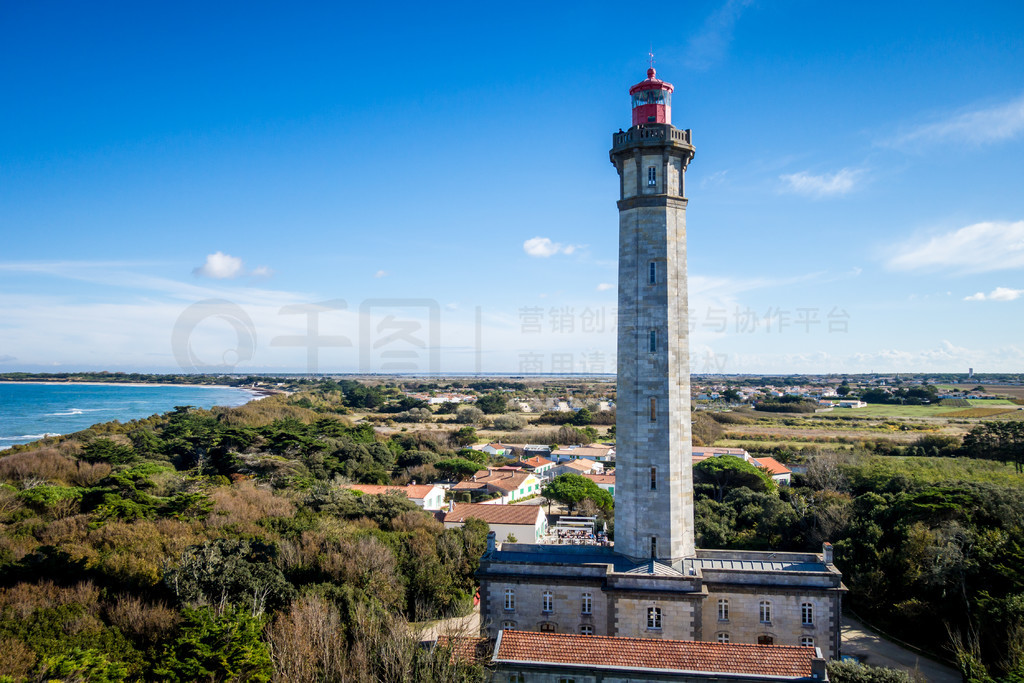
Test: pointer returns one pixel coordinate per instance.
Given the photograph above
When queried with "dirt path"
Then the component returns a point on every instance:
(468, 625)
(870, 648)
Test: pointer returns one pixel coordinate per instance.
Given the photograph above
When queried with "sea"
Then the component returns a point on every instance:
(31, 411)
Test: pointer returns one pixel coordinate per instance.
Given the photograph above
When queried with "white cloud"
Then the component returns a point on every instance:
(709, 46)
(997, 294)
(220, 266)
(543, 247)
(841, 182)
(605, 286)
(976, 126)
(978, 248)
(381, 273)
(261, 271)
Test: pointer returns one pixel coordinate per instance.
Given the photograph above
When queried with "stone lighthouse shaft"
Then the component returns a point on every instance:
(654, 477)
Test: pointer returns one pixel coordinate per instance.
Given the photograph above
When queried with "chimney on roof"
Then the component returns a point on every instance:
(489, 471)
(451, 505)
(818, 670)
(826, 549)
(490, 541)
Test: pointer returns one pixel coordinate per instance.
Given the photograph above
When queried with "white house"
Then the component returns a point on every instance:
(604, 481)
(427, 496)
(512, 483)
(497, 449)
(581, 466)
(598, 452)
(526, 523)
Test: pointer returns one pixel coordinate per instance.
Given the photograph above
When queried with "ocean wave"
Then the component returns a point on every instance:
(32, 437)
(75, 411)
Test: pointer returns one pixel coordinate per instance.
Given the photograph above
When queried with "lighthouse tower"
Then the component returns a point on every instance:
(654, 478)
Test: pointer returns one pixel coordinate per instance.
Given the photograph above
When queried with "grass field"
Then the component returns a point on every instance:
(937, 470)
(782, 443)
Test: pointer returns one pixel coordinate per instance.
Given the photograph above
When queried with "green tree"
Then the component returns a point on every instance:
(727, 471)
(457, 468)
(217, 647)
(494, 403)
(572, 489)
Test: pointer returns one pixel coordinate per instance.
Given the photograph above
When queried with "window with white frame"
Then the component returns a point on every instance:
(586, 630)
(510, 599)
(807, 614)
(723, 609)
(722, 637)
(806, 641)
(652, 176)
(508, 624)
(765, 608)
(549, 601)
(654, 618)
(587, 606)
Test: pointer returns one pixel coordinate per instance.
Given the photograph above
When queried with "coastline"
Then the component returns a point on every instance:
(256, 392)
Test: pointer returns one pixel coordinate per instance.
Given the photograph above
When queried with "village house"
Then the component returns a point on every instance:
(427, 496)
(525, 523)
(510, 483)
(581, 466)
(604, 481)
(598, 452)
(538, 465)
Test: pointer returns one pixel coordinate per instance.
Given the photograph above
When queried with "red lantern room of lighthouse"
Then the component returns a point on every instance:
(652, 100)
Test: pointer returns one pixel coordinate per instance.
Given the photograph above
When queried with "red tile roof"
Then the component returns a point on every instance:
(419, 491)
(607, 479)
(773, 466)
(651, 653)
(466, 648)
(536, 461)
(495, 514)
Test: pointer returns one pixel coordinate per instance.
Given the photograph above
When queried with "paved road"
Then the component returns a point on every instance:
(872, 649)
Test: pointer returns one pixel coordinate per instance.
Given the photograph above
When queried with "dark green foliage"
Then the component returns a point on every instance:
(229, 572)
(730, 472)
(108, 451)
(457, 468)
(573, 489)
(1002, 441)
(216, 647)
(854, 672)
(493, 404)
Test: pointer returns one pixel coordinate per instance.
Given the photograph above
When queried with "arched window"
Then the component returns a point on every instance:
(765, 640)
(547, 627)
(807, 614)
(806, 641)
(722, 637)
(654, 618)
(586, 630)
(510, 599)
(765, 608)
(549, 601)
(508, 624)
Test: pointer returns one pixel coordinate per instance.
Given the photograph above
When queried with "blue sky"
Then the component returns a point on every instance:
(181, 183)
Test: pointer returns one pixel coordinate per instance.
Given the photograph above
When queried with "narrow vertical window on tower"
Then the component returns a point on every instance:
(652, 176)
(652, 273)
(654, 478)
(654, 547)
(654, 410)
(652, 341)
